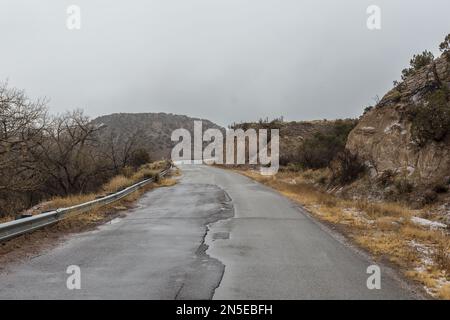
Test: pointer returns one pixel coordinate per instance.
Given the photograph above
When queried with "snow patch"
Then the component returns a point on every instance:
(410, 170)
(428, 223)
(394, 125)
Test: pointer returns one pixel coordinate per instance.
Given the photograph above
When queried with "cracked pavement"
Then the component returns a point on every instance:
(215, 234)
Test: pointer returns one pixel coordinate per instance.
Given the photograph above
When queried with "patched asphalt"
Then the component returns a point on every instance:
(215, 234)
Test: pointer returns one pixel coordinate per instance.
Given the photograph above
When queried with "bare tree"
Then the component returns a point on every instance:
(118, 149)
(68, 153)
(21, 126)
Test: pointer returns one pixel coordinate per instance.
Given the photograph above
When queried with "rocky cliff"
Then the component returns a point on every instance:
(384, 137)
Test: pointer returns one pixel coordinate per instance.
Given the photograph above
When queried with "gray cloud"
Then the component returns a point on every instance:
(226, 60)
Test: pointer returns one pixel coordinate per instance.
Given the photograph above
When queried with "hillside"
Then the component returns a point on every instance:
(407, 135)
(293, 134)
(153, 130)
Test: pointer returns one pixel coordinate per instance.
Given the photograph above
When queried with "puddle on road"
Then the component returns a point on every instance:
(115, 220)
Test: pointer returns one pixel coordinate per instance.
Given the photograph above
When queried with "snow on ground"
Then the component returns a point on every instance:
(425, 262)
(428, 223)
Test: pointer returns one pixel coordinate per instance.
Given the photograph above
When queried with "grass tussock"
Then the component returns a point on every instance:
(64, 202)
(166, 182)
(117, 183)
(6, 219)
(382, 228)
(379, 210)
(441, 255)
(444, 292)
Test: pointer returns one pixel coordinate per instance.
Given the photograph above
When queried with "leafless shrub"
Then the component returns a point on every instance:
(346, 167)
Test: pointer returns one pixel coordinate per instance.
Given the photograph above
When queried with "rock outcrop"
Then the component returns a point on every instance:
(383, 137)
(294, 133)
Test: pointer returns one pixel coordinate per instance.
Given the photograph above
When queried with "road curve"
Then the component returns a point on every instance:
(214, 235)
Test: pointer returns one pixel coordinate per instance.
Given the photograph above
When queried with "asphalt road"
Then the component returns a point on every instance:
(216, 234)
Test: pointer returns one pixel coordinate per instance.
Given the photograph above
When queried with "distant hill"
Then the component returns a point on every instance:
(152, 129)
(294, 133)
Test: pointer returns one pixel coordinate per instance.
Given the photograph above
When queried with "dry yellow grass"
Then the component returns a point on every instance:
(377, 210)
(427, 278)
(444, 292)
(414, 232)
(6, 219)
(176, 172)
(441, 254)
(389, 245)
(157, 165)
(166, 182)
(118, 183)
(64, 202)
(384, 229)
(144, 173)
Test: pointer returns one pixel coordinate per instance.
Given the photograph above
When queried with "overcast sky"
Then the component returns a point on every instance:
(225, 60)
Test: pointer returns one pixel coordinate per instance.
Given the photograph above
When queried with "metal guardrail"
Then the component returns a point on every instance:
(15, 228)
